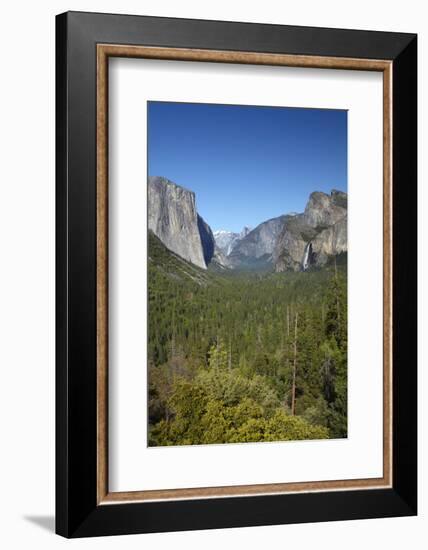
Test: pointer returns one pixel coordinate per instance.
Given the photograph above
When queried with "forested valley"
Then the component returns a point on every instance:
(245, 356)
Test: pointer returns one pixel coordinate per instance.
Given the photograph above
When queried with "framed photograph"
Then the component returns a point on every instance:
(236, 274)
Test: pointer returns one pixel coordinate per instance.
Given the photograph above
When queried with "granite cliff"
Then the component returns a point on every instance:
(311, 238)
(173, 218)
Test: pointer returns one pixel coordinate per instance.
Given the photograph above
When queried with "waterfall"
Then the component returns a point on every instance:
(307, 256)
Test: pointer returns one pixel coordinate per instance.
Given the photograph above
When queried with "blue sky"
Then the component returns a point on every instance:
(247, 164)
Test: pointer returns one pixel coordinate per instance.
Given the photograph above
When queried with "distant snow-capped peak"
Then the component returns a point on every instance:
(227, 240)
(245, 230)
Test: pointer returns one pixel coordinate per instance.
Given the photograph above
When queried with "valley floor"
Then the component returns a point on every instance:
(240, 357)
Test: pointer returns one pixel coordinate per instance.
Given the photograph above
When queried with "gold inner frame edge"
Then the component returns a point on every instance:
(104, 51)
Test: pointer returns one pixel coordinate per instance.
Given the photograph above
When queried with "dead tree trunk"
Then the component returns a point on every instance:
(230, 355)
(293, 387)
(337, 297)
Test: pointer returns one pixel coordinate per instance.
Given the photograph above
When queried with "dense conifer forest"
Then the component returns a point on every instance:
(245, 356)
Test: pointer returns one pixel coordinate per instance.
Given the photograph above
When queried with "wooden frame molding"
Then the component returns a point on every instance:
(104, 51)
(84, 504)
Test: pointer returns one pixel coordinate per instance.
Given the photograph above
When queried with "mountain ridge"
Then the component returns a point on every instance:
(290, 242)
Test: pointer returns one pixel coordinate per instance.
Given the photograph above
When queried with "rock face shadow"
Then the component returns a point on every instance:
(45, 522)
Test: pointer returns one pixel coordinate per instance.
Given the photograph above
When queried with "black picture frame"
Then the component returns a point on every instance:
(77, 511)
